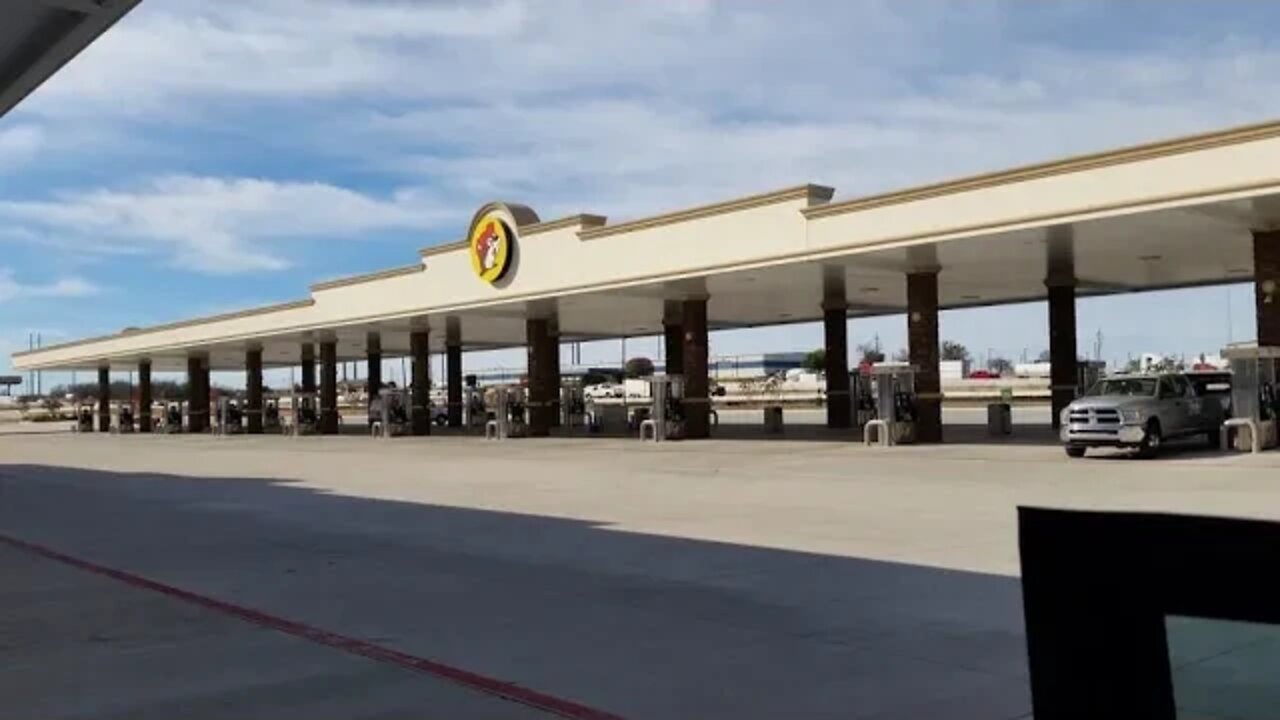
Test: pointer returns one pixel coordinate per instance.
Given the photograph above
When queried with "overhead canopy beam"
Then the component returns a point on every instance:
(56, 31)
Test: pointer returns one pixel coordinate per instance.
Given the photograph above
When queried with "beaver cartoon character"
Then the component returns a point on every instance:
(487, 247)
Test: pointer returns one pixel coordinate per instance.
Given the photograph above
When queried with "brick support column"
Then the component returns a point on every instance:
(835, 325)
(144, 396)
(1062, 348)
(373, 357)
(253, 386)
(197, 394)
(673, 346)
(697, 395)
(328, 388)
(1266, 277)
(420, 352)
(104, 399)
(453, 380)
(922, 347)
(541, 345)
(308, 368)
(553, 371)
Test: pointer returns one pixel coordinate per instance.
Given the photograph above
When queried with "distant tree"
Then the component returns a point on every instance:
(903, 355)
(815, 360)
(1044, 357)
(639, 367)
(952, 350)
(870, 354)
(999, 365)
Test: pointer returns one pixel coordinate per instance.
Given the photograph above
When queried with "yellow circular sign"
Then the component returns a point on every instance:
(491, 248)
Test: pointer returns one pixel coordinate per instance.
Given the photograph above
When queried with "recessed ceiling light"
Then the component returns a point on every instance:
(970, 297)
(784, 315)
(1150, 258)
(869, 289)
(1239, 271)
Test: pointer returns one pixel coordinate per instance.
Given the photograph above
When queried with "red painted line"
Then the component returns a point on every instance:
(487, 685)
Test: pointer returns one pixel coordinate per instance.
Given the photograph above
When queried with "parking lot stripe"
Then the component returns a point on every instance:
(491, 686)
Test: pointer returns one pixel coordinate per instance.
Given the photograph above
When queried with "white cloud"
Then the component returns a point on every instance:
(213, 224)
(60, 287)
(18, 144)
(575, 105)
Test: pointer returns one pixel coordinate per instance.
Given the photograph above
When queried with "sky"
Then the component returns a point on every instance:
(203, 157)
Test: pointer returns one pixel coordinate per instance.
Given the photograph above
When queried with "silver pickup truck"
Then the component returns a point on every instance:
(1140, 411)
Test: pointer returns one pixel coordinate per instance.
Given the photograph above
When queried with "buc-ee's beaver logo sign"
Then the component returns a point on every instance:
(491, 247)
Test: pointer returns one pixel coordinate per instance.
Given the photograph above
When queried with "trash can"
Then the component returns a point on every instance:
(999, 419)
(773, 419)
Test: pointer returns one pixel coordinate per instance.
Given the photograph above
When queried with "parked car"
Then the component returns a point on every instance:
(1142, 412)
(984, 375)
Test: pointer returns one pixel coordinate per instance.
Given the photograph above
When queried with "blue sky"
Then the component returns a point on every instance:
(210, 156)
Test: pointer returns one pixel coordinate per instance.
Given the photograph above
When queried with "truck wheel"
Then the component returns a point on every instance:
(1151, 441)
(1074, 451)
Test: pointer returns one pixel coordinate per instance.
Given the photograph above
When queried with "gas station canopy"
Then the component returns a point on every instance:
(1170, 214)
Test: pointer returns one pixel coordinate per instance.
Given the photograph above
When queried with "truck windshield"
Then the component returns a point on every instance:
(1138, 387)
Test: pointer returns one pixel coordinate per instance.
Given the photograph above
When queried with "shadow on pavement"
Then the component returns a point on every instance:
(641, 625)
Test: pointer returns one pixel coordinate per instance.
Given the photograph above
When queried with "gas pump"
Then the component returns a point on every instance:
(306, 418)
(665, 419)
(171, 420)
(506, 405)
(573, 406)
(1088, 372)
(864, 403)
(1255, 403)
(895, 400)
(389, 413)
(84, 418)
(271, 413)
(230, 417)
(122, 420)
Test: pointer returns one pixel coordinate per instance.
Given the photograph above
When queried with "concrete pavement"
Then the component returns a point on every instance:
(712, 579)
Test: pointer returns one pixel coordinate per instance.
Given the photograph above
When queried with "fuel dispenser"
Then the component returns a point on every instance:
(271, 414)
(303, 407)
(895, 400)
(573, 406)
(171, 419)
(122, 417)
(84, 418)
(861, 398)
(506, 404)
(1255, 402)
(389, 413)
(665, 419)
(230, 417)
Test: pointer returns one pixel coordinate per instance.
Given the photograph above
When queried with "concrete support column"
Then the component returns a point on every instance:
(697, 395)
(328, 388)
(673, 346)
(104, 399)
(1266, 286)
(419, 349)
(308, 367)
(922, 347)
(198, 394)
(553, 370)
(373, 356)
(541, 345)
(835, 327)
(144, 396)
(453, 378)
(253, 384)
(1063, 376)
